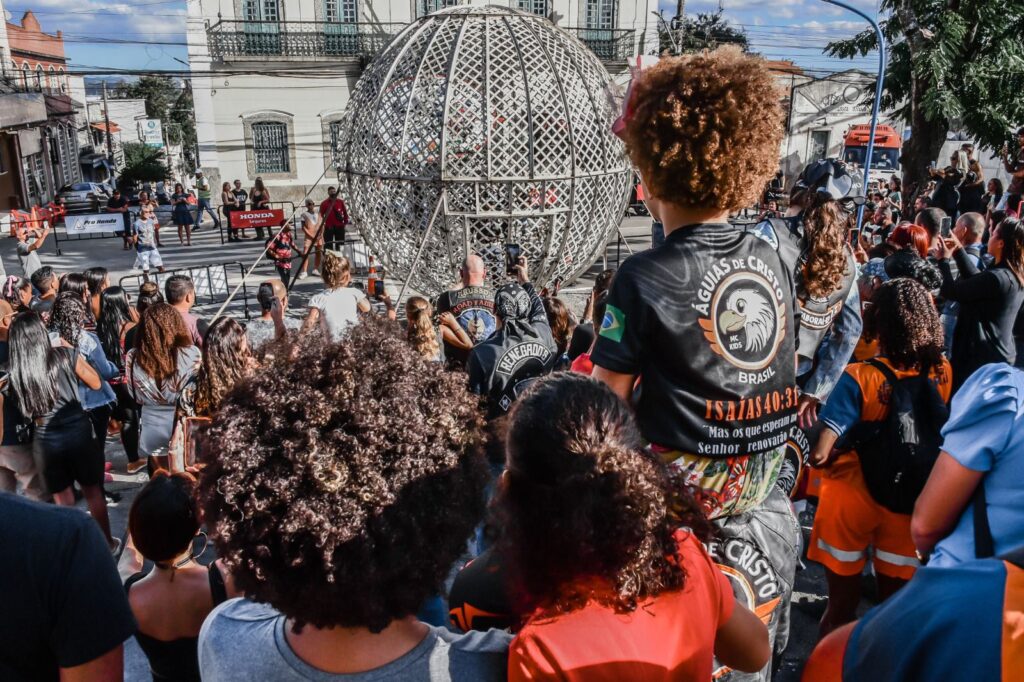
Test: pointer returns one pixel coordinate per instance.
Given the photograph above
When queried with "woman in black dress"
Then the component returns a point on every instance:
(181, 215)
(260, 198)
(44, 384)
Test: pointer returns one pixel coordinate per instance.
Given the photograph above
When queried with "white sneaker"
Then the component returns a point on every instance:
(315, 272)
(303, 275)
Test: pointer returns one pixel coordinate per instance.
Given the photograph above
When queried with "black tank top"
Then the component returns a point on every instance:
(176, 660)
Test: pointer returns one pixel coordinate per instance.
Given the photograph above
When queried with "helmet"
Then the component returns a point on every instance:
(828, 176)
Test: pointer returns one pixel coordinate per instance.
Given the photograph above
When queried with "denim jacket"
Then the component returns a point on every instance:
(90, 348)
(835, 350)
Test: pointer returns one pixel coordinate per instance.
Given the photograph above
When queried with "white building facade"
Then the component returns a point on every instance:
(271, 78)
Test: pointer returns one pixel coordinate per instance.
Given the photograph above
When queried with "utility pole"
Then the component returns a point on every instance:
(680, 22)
(106, 124)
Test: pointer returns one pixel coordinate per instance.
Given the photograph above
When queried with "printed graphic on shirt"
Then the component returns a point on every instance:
(745, 320)
(614, 324)
(478, 323)
(817, 321)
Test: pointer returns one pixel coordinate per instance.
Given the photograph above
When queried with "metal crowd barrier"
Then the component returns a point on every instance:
(210, 281)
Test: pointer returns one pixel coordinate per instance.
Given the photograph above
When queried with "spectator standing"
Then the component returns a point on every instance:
(147, 239)
(973, 186)
(227, 360)
(627, 594)
(708, 319)
(913, 243)
(203, 196)
(180, 292)
(970, 507)
(993, 195)
(29, 242)
(894, 199)
(259, 196)
(519, 352)
(280, 248)
(172, 600)
(45, 381)
(162, 363)
(65, 613)
(472, 305)
(990, 299)
(17, 468)
(44, 280)
(428, 340)
(1013, 162)
(903, 319)
(241, 196)
(118, 203)
(180, 214)
(227, 205)
(98, 280)
(337, 307)
(272, 324)
(116, 320)
(561, 323)
(312, 239)
(149, 294)
(356, 557)
(334, 214)
(969, 229)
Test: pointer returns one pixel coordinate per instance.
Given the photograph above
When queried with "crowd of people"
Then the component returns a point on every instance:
(494, 488)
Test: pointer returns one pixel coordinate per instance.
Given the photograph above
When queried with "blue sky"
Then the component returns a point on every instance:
(149, 34)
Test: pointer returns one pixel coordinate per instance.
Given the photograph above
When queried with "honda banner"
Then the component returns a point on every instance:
(94, 222)
(261, 217)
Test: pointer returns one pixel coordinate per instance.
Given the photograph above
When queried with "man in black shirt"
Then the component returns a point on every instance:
(65, 613)
(707, 321)
(472, 305)
(118, 204)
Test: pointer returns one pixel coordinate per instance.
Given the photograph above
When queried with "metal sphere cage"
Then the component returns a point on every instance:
(477, 127)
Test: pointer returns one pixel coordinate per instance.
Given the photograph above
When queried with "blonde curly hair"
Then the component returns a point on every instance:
(704, 129)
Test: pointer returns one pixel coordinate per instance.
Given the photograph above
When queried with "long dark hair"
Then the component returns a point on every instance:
(582, 498)
(1011, 232)
(34, 365)
(75, 283)
(115, 311)
(226, 361)
(68, 317)
(161, 334)
(94, 278)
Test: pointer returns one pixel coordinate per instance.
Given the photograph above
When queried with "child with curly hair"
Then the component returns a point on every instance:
(707, 319)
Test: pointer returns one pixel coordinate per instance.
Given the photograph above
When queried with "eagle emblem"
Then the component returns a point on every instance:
(745, 324)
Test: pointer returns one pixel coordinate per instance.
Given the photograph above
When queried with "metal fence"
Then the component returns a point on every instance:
(232, 38)
(211, 282)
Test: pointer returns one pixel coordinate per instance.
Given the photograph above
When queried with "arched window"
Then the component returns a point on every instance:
(63, 80)
(39, 77)
(24, 74)
(51, 79)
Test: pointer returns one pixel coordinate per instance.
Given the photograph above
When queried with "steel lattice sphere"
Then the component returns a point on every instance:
(477, 127)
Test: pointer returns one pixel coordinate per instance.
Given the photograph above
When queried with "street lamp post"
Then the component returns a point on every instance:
(878, 96)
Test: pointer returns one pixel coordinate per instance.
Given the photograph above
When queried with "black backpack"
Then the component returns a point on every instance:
(897, 453)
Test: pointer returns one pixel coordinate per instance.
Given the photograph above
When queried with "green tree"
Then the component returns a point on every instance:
(160, 93)
(142, 163)
(953, 64)
(168, 101)
(705, 31)
(182, 115)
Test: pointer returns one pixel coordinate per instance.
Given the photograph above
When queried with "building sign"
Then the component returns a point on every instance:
(151, 132)
(831, 100)
(261, 217)
(94, 222)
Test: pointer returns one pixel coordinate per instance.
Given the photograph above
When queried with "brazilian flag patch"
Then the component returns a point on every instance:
(614, 324)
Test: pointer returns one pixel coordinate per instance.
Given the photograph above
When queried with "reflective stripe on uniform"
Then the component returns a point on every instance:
(841, 554)
(896, 559)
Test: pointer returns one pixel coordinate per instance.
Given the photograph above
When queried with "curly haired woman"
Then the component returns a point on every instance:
(339, 512)
(849, 520)
(708, 318)
(592, 535)
(227, 359)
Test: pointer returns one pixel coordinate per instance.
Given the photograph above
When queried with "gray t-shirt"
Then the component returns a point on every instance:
(242, 640)
(260, 331)
(29, 259)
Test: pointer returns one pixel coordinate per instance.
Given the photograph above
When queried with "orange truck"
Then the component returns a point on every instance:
(885, 158)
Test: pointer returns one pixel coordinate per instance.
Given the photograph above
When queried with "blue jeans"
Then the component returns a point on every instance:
(204, 204)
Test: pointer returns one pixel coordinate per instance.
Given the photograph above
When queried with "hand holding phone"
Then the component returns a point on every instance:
(378, 288)
(512, 254)
(946, 226)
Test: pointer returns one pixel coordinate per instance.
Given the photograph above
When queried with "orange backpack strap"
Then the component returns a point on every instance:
(1013, 617)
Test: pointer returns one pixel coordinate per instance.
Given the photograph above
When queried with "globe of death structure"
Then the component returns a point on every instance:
(479, 127)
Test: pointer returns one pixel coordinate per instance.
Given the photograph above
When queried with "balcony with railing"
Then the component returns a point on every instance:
(609, 44)
(231, 40)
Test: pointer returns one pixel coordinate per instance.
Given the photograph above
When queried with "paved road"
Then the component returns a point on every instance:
(808, 601)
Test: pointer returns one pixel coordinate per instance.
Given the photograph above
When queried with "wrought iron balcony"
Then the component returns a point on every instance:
(232, 39)
(609, 44)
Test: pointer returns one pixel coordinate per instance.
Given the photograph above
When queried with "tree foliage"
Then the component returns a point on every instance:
(953, 64)
(168, 101)
(142, 163)
(704, 31)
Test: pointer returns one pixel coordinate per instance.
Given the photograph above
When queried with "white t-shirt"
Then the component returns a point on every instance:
(338, 309)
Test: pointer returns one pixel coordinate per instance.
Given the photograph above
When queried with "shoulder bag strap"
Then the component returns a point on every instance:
(984, 544)
(886, 371)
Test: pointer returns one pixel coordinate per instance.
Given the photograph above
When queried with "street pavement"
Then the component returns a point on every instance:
(206, 250)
